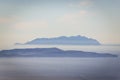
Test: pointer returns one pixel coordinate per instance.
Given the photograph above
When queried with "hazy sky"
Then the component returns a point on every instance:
(23, 20)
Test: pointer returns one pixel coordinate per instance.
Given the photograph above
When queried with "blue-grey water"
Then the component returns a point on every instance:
(63, 68)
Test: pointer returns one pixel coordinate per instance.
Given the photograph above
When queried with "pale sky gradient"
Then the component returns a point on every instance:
(23, 20)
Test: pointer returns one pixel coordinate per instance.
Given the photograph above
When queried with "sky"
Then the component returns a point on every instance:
(25, 20)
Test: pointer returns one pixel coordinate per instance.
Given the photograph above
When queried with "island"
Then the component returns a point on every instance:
(63, 40)
(50, 52)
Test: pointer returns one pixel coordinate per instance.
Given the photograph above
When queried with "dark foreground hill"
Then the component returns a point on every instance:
(50, 52)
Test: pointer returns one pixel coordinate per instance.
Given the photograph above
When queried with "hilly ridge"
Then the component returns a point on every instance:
(50, 52)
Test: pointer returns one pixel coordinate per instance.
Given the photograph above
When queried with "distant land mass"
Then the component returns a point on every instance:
(50, 52)
(63, 40)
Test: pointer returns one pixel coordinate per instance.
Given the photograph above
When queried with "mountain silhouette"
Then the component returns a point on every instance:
(63, 40)
(50, 52)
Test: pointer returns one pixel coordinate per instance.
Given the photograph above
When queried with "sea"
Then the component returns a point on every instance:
(63, 68)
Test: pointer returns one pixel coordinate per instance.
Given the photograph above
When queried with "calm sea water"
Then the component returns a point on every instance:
(62, 68)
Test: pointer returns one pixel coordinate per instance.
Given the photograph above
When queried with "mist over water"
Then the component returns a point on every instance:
(62, 68)
(63, 22)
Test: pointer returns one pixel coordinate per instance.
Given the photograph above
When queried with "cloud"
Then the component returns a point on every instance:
(82, 12)
(72, 18)
(83, 3)
(9, 19)
(5, 20)
(30, 25)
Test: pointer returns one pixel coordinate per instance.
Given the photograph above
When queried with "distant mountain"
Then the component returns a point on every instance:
(63, 40)
(50, 52)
